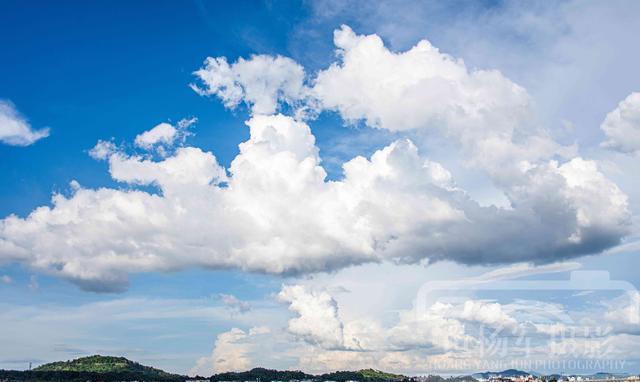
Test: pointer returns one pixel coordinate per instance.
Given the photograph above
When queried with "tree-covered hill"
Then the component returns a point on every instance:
(380, 375)
(365, 375)
(93, 368)
(101, 364)
(268, 375)
(261, 374)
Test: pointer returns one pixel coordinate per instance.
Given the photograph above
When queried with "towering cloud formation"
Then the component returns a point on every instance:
(318, 321)
(232, 351)
(274, 211)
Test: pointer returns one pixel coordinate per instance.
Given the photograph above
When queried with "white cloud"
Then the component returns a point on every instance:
(421, 87)
(436, 329)
(164, 135)
(622, 126)
(188, 167)
(490, 313)
(4, 279)
(317, 320)
(623, 312)
(232, 352)
(15, 130)
(319, 324)
(102, 150)
(261, 82)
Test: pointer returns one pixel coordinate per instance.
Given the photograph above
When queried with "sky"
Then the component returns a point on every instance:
(419, 187)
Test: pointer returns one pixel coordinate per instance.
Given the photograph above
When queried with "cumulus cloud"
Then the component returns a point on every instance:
(490, 313)
(261, 82)
(5, 279)
(317, 320)
(437, 328)
(440, 328)
(455, 332)
(413, 89)
(622, 126)
(273, 210)
(15, 130)
(318, 323)
(232, 352)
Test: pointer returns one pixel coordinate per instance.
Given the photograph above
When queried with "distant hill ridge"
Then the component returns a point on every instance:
(108, 368)
(267, 375)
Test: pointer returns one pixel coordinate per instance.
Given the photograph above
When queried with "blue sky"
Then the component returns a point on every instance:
(532, 178)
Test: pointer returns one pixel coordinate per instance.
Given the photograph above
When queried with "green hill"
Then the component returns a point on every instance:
(365, 375)
(261, 374)
(267, 375)
(380, 375)
(104, 364)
